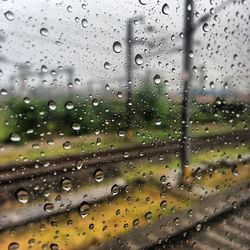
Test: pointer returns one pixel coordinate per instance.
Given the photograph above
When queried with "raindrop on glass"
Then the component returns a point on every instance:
(83, 209)
(22, 196)
(13, 246)
(177, 221)
(54, 246)
(138, 59)
(67, 145)
(52, 105)
(48, 207)
(106, 65)
(76, 126)
(157, 79)
(165, 8)
(163, 204)
(205, 27)
(44, 32)
(99, 175)
(84, 23)
(121, 133)
(44, 68)
(26, 100)
(4, 92)
(9, 15)
(15, 137)
(148, 216)
(158, 121)
(95, 102)
(142, 2)
(136, 223)
(69, 105)
(117, 47)
(211, 84)
(115, 189)
(66, 184)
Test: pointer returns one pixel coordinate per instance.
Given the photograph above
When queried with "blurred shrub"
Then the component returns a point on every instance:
(151, 109)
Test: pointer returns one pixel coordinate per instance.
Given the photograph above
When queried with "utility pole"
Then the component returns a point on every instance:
(189, 29)
(187, 76)
(129, 60)
(129, 52)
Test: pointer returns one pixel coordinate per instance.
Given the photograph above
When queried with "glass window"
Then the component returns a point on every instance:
(124, 124)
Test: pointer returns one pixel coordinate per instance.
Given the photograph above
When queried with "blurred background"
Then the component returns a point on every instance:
(120, 120)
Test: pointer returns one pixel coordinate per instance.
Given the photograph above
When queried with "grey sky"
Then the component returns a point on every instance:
(87, 49)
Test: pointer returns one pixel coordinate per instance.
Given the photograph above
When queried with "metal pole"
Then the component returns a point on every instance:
(129, 42)
(187, 76)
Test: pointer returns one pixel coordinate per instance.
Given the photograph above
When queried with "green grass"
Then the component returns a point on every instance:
(89, 143)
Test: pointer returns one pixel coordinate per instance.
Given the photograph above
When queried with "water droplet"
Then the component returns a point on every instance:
(15, 137)
(235, 170)
(115, 189)
(158, 121)
(44, 32)
(163, 204)
(148, 216)
(136, 223)
(79, 165)
(142, 2)
(126, 154)
(138, 59)
(95, 102)
(69, 8)
(177, 221)
(52, 105)
(198, 227)
(157, 79)
(76, 126)
(66, 184)
(190, 212)
(211, 84)
(46, 193)
(84, 23)
(235, 56)
(44, 69)
(121, 133)
(77, 81)
(191, 54)
(13, 246)
(205, 27)
(22, 196)
(163, 179)
(99, 175)
(165, 8)
(26, 100)
(69, 105)
(106, 65)
(48, 207)
(117, 47)
(83, 209)
(107, 87)
(119, 94)
(54, 246)
(4, 92)
(58, 43)
(9, 15)
(67, 145)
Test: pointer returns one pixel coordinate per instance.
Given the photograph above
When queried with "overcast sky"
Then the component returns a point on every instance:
(223, 49)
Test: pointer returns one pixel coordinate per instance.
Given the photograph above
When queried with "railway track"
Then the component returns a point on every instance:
(229, 232)
(48, 173)
(220, 221)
